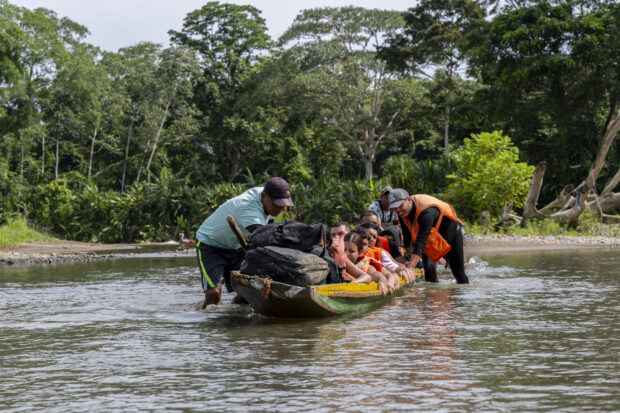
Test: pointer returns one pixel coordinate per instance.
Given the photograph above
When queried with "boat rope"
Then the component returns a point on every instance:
(266, 288)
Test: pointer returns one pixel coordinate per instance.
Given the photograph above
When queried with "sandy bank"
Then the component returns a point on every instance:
(72, 251)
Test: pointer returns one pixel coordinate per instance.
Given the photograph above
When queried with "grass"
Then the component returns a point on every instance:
(17, 231)
(589, 225)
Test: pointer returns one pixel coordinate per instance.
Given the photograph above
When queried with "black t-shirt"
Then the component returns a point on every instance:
(427, 220)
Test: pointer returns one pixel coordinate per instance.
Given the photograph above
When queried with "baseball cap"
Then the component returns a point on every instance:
(386, 190)
(397, 196)
(279, 191)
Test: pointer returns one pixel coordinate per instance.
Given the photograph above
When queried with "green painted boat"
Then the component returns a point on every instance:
(276, 299)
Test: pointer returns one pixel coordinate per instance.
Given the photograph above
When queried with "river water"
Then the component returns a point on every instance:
(533, 331)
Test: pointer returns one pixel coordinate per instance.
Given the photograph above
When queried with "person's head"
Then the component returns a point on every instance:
(340, 229)
(365, 238)
(276, 196)
(353, 245)
(385, 203)
(373, 232)
(400, 202)
(393, 234)
(370, 216)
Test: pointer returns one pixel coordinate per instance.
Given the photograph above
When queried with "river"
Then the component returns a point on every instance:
(534, 331)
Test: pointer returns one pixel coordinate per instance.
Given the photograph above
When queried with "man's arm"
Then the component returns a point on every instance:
(425, 223)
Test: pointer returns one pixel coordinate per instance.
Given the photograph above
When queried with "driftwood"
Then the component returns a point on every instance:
(560, 201)
(571, 203)
(529, 209)
(612, 184)
(599, 161)
(570, 217)
(507, 218)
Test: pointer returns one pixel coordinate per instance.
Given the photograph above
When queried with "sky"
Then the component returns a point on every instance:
(114, 24)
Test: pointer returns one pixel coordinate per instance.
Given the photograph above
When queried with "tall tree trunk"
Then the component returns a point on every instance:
(126, 155)
(599, 161)
(92, 151)
(368, 167)
(56, 168)
(161, 126)
(529, 210)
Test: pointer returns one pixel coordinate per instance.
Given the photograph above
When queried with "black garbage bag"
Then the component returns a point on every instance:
(285, 265)
(288, 234)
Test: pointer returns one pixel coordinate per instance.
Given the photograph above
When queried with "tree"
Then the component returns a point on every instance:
(553, 79)
(343, 77)
(430, 45)
(230, 40)
(488, 174)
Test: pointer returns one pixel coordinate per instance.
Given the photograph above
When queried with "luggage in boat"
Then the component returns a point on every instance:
(285, 265)
(288, 234)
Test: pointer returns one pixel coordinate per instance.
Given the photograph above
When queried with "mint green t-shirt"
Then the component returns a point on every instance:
(247, 209)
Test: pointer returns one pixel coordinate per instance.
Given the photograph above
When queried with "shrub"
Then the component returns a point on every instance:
(487, 175)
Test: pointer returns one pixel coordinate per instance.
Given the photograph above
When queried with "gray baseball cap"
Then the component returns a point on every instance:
(396, 197)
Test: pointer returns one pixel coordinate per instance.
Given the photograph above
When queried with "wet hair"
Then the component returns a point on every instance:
(341, 224)
(371, 225)
(361, 231)
(356, 238)
(369, 214)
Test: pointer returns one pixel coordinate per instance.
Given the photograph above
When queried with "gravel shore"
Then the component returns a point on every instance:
(71, 251)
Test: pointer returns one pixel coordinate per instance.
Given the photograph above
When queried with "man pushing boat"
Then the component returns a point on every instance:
(217, 248)
(436, 231)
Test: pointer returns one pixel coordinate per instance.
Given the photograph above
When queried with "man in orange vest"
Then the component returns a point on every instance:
(435, 231)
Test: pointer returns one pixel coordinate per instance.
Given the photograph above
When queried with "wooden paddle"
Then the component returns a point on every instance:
(237, 232)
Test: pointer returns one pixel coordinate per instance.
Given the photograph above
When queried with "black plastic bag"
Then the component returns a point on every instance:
(285, 265)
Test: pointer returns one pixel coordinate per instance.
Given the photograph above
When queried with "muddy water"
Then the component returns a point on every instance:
(533, 332)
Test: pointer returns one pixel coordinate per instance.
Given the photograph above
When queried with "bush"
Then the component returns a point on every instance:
(487, 175)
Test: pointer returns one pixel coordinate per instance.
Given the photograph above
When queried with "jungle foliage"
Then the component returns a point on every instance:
(144, 142)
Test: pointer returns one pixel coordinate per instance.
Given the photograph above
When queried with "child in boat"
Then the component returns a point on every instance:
(395, 236)
(384, 256)
(350, 272)
(354, 244)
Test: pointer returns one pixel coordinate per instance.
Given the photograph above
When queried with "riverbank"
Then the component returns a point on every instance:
(72, 251)
(51, 252)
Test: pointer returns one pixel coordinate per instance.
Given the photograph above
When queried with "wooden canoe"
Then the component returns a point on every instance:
(276, 299)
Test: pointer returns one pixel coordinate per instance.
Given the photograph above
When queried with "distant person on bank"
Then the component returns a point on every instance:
(387, 217)
(436, 231)
(217, 247)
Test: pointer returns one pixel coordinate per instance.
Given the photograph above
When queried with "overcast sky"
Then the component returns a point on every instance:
(119, 23)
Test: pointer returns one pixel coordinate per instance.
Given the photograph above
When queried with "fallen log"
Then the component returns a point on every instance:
(570, 217)
(507, 218)
(558, 203)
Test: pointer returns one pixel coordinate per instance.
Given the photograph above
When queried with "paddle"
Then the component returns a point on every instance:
(237, 232)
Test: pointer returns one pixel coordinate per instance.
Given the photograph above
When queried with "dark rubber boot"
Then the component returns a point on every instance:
(212, 296)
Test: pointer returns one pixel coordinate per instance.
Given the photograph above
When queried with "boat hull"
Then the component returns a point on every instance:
(275, 299)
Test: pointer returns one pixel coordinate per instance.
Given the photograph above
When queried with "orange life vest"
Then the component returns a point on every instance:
(436, 246)
(364, 263)
(383, 243)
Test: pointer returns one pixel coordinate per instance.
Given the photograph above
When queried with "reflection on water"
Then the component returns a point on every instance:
(533, 332)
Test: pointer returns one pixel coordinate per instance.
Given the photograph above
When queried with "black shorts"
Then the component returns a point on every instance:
(216, 264)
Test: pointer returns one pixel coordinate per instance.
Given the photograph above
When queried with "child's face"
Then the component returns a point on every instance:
(373, 236)
(351, 250)
(364, 247)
